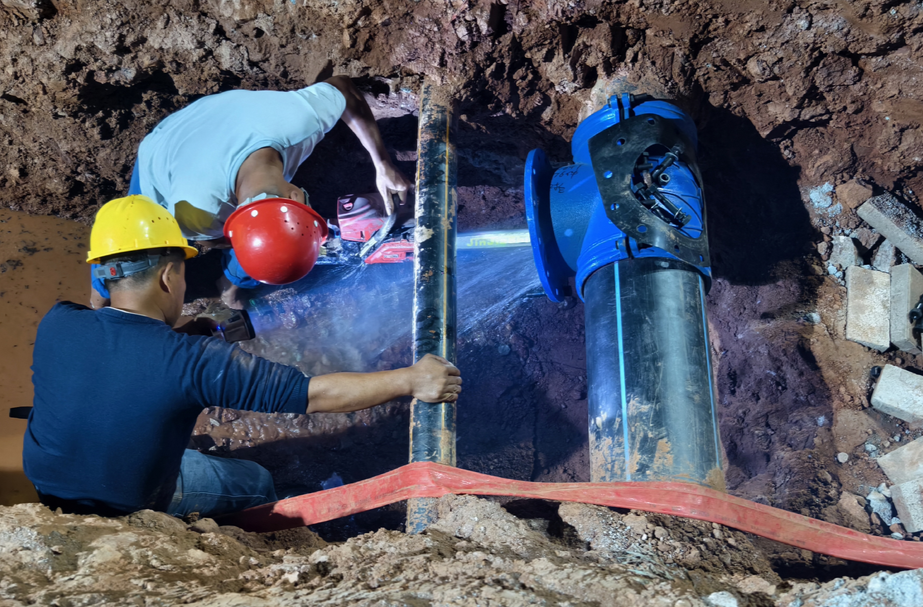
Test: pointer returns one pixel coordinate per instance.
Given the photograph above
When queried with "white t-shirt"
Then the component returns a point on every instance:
(188, 164)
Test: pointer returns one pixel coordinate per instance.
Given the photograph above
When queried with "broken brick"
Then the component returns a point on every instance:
(908, 500)
(844, 255)
(895, 222)
(883, 259)
(868, 296)
(906, 288)
(899, 393)
(904, 464)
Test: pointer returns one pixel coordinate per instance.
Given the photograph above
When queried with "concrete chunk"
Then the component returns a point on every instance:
(884, 257)
(899, 393)
(844, 253)
(908, 499)
(906, 288)
(904, 464)
(868, 298)
(896, 223)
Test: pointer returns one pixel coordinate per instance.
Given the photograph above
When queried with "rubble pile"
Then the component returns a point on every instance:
(881, 303)
(476, 553)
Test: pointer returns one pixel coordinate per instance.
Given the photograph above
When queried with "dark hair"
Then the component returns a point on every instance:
(139, 279)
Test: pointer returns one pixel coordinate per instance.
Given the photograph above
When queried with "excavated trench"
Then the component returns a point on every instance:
(793, 100)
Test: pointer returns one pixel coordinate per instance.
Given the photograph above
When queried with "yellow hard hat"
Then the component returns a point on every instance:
(134, 223)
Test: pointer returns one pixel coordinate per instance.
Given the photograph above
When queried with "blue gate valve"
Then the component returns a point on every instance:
(645, 171)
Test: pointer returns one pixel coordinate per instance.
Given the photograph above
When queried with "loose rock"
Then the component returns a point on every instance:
(883, 259)
(853, 193)
(722, 599)
(880, 505)
(854, 514)
(844, 253)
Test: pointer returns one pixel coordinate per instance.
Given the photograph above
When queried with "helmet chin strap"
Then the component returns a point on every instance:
(121, 269)
(265, 195)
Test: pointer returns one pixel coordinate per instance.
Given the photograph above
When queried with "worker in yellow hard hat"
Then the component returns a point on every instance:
(238, 148)
(128, 226)
(118, 390)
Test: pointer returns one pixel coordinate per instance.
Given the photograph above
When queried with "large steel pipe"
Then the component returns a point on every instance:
(650, 394)
(432, 425)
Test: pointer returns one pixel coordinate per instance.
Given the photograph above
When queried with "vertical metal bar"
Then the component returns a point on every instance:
(432, 425)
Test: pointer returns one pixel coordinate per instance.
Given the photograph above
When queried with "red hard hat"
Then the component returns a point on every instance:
(277, 240)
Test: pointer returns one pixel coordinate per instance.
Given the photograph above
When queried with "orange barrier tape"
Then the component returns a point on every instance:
(426, 479)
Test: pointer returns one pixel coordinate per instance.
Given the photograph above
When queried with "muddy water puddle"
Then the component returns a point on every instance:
(42, 261)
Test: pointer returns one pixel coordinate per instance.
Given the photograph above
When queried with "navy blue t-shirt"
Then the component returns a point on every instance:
(117, 396)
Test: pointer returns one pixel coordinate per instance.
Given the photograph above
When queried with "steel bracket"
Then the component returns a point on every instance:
(615, 152)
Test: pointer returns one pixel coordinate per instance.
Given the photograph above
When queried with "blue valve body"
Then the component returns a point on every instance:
(570, 232)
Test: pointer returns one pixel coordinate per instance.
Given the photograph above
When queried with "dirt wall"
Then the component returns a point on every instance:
(834, 86)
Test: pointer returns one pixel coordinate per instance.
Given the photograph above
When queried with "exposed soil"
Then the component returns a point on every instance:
(804, 108)
(530, 553)
(833, 88)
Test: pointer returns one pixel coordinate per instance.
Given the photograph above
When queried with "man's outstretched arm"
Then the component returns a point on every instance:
(432, 379)
(358, 116)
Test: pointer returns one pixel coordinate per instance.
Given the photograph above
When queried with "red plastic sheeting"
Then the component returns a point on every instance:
(425, 479)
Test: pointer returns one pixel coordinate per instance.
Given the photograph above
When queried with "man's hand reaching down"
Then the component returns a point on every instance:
(390, 182)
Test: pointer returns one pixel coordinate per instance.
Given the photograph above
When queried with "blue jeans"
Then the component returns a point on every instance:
(213, 486)
(234, 272)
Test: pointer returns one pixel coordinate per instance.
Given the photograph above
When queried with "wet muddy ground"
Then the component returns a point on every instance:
(41, 261)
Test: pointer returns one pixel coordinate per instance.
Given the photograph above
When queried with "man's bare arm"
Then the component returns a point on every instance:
(432, 379)
(358, 116)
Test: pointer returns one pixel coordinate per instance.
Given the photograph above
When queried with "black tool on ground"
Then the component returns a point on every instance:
(875, 372)
(20, 412)
(236, 328)
(916, 316)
